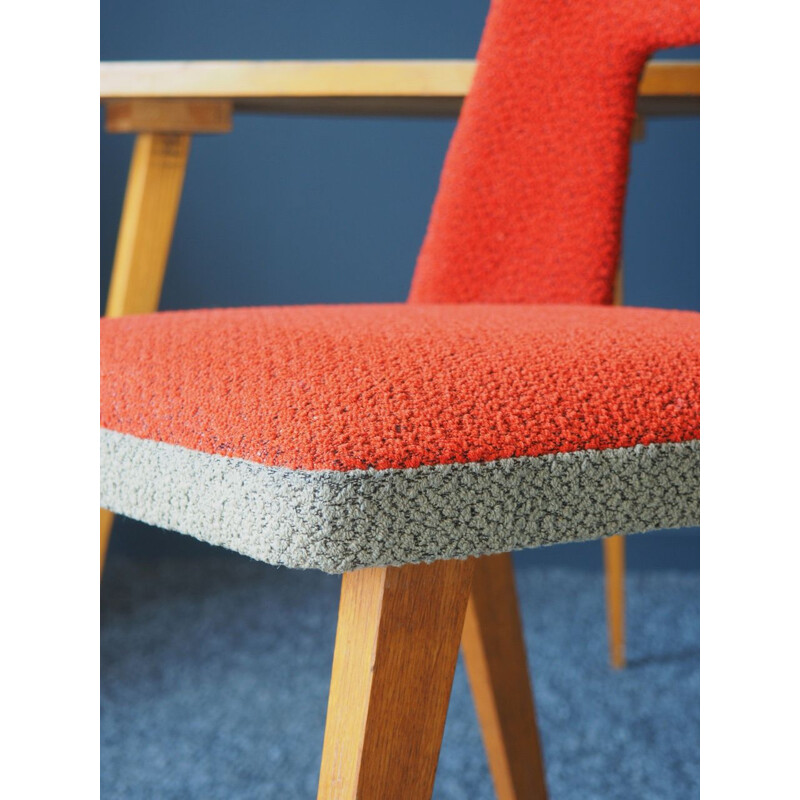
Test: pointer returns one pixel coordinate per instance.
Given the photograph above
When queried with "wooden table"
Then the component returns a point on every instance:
(201, 96)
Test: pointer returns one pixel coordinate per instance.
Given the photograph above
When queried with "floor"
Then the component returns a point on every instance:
(215, 673)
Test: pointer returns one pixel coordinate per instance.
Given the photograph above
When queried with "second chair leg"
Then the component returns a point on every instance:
(494, 655)
(614, 557)
(106, 521)
(396, 651)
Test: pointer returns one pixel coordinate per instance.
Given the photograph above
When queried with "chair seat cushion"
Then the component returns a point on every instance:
(340, 437)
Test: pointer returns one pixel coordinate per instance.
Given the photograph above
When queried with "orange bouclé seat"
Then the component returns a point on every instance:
(456, 393)
(349, 436)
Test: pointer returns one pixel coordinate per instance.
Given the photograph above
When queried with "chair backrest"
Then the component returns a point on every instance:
(530, 202)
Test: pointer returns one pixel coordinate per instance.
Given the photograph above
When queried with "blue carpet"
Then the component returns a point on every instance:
(215, 674)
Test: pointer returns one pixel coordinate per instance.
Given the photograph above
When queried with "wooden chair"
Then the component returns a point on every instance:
(399, 626)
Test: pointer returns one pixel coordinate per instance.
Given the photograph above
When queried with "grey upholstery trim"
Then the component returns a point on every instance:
(340, 521)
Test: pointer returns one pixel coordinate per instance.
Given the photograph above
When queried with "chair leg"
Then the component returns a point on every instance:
(152, 196)
(106, 521)
(494, 655)
(614, 547)
(614, 557)
(395, 656)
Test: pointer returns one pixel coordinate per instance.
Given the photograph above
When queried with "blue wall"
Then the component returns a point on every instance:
(289, 210)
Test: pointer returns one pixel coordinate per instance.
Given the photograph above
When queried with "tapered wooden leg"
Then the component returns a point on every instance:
(393, 665)
(149, 211)
(106, 521)
(614, 557)
(614, 547)
(494, 655)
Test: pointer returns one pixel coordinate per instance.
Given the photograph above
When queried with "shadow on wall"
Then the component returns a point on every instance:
(292, 210)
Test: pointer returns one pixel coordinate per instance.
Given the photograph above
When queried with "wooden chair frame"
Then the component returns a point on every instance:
(399, 627)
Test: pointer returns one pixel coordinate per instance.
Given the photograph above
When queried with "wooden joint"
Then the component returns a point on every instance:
(169, 116)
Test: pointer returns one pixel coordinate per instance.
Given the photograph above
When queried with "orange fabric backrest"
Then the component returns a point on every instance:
(530, 202)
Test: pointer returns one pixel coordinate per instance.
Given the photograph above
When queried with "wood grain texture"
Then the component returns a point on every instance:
(149, 211)
(396, 650)
(169, 116)
(409, 87)
(494, 655)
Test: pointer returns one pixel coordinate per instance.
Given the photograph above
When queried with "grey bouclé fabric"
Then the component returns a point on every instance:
(339, 521)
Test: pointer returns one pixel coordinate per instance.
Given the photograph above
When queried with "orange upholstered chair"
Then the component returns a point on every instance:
(412, 447)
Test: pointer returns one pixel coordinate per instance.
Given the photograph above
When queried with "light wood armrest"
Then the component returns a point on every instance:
(414, 88)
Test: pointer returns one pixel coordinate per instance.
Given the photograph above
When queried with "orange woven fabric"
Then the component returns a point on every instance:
(530, 202)
(352, 387)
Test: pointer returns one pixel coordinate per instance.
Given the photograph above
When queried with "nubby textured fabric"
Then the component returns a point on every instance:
(401, 386)
(530, 203)
(489, 413)
(340, 437)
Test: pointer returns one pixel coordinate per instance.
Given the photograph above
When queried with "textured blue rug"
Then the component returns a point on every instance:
(215, 674)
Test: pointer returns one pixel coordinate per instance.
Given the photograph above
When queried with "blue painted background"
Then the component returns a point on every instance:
(289, 210)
